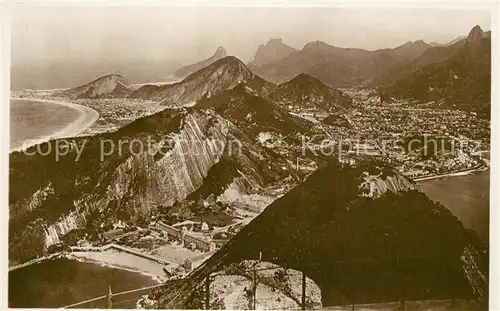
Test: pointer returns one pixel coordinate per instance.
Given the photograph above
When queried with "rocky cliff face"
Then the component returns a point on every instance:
(125, 185)
(165, 179)
(374, 186)
(32, 202)
(174, 156)
(55, 231)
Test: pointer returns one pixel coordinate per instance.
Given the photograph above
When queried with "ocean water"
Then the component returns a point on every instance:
(467, 197)
(31, 119)
(60, 282)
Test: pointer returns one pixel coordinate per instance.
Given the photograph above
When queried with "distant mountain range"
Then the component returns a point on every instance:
(414, 70)
(458, 77)
(431, 55)
(338, 67)
(183, 72)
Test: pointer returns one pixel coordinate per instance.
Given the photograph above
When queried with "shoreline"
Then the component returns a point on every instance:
(35, 261)
(117, 260)
(88, 116)
(480, 168)
(105, 258)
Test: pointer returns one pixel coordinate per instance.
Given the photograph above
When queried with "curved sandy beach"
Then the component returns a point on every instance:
(88, 116)
(124, 261)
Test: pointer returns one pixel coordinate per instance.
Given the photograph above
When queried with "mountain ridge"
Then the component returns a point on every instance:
(460, 81)
(253, 113)
(338, 67)
(221, 75)
(189, 69)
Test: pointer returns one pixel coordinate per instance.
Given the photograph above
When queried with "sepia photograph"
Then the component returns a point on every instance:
(249, 157)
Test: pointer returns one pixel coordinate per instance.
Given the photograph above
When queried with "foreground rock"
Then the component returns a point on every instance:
(277, 288)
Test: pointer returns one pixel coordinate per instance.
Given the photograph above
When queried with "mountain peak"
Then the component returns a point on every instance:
(229, 60)
(316, 45)
(475, 33)
(220, 75)
(220, 52)
(304, 77)
(307, 91)
(187, 70)
(119, 79)
(413, 44)
(110, 85)
(272, 51)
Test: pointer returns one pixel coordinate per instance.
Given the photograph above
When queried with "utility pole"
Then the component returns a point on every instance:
(401, 292)
(110, 296)
(400, 296)
(342, 274)
(255, 280)
(303, 291)
(207, 293)
(254, 287)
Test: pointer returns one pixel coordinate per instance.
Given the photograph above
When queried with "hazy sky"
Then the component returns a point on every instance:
(47, 34)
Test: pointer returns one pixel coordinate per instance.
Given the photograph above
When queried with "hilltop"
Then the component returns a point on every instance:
(306, 91)
(108, 86)
(253, 113)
